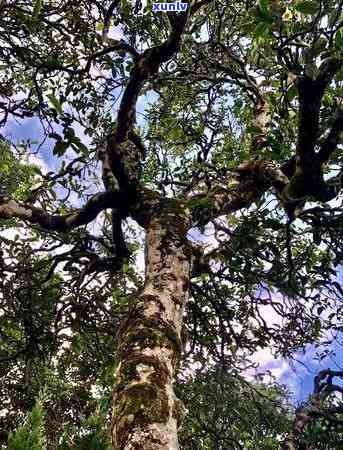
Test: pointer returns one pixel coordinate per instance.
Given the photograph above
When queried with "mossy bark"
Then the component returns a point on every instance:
(145, 408)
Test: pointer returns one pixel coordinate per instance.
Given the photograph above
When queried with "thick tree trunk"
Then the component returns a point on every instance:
(146, 411)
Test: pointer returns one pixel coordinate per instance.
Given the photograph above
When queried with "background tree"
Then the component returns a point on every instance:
(240, 138)
(227, 412)
(31, 434)
(318, 421)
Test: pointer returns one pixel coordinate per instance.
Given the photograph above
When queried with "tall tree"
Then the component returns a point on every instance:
(242, 131)
(227, 412)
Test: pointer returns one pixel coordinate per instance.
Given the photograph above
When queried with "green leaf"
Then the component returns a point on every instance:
(292, 93)
(339, 38)
(319, 46)
(37, 7)
(253, 129)
(69, 133)
(311, 70)
(307, 7)
(273, 224)
(200, 202)
(36, 170)
(60, 148)
(328, 100)
(339, 75)
(317, 326)
(264, 5)
(78, 145)
(55, 136)
(55, 103)
(261, 30)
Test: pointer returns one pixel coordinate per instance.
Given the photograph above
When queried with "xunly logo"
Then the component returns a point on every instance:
(176, 6)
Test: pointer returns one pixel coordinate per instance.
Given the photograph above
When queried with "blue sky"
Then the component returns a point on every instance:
(300, 375)
(31, 128)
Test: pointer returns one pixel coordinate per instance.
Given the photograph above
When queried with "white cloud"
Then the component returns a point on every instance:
(38, 161)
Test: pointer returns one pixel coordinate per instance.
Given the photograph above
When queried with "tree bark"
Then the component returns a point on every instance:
(146, 411)
(294, 439)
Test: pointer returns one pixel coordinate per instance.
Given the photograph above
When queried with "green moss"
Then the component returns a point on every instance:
(139, 405)
(128, 372)
(149, 333)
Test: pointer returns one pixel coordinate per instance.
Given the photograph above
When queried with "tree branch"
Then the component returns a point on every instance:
(309, 179)
(107, 19)
(249, 183)
(334, 137)
(125, 161)
(11, 209)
